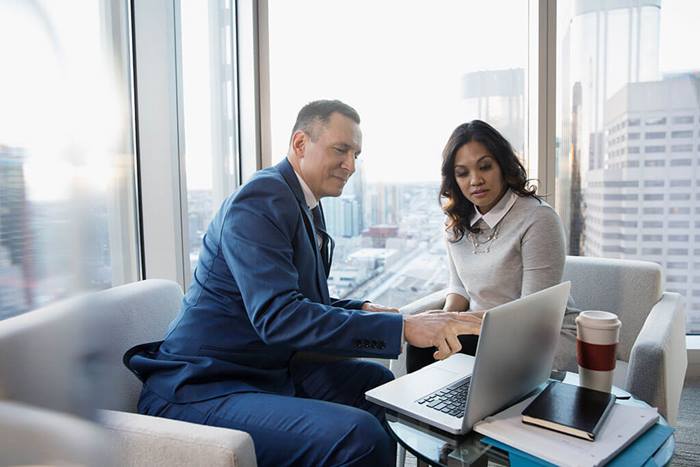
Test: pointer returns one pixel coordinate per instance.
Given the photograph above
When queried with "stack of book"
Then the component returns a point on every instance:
(571, 425)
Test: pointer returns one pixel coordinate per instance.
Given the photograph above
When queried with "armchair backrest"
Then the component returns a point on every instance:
(135, 313)
(628, 288)
(67, 356)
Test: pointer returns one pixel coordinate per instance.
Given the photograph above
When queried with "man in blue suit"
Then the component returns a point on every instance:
(241, 352)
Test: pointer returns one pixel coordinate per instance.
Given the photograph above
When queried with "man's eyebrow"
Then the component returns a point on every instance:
(346, 146)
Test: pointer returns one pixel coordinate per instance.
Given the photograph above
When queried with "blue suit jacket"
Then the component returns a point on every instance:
(259, 295)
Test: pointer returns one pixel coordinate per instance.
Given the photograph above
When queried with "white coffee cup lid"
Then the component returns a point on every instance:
(598, 319)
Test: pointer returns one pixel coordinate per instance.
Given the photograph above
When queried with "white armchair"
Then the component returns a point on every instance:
(651, 355)
(67, 357)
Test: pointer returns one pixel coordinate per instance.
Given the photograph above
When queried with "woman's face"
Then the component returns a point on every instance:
(479, 176)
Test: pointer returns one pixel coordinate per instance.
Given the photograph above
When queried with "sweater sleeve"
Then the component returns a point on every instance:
(543, 251)
(454, 284)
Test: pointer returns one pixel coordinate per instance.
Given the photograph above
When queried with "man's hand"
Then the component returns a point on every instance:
(436, 328)
(367, 306)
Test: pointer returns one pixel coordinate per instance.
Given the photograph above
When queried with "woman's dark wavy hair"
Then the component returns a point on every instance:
(458, 208)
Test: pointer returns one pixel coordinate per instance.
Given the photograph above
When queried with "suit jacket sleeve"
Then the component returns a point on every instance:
(347, 303)
(260, 233)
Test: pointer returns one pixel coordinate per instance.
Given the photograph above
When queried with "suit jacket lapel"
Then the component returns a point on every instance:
(285, 168)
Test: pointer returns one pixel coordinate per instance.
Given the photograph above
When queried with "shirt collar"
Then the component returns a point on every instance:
(497, 212)
(309, 197)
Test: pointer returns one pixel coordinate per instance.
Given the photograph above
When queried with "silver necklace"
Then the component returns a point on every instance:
(483, 242)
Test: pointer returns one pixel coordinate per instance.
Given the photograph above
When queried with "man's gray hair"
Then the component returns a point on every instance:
(320, 112)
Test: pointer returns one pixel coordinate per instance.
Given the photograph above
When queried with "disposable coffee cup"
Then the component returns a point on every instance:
(598, 333)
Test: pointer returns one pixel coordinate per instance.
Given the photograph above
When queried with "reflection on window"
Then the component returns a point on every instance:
(388, 224)
(67, 202)
(208, 110)
(627, 62)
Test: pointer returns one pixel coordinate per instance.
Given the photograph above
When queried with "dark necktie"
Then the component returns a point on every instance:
(327, 243)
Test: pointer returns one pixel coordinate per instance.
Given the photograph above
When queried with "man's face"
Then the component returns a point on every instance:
(328, 159)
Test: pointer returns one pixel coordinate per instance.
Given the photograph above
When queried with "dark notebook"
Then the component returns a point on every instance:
(569, 409)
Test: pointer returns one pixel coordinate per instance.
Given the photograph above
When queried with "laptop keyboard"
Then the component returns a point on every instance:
(451, 400)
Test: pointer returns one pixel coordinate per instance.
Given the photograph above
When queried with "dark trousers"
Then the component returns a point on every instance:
(329, 422)
(417, 358)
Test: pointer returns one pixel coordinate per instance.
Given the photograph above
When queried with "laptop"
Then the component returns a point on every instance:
(513, 357)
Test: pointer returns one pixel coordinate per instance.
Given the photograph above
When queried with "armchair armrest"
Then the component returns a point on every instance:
(153, 441)
(658, 359)
(31, 435)
(434, 301)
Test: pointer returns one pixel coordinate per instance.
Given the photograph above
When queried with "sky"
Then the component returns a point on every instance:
(399, 63)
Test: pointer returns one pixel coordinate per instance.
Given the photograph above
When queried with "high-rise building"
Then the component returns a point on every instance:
(604, 46)
(383, 200)
(17, 278)
(613, 43)
(498, 98)
(343, 216)
(641, 204)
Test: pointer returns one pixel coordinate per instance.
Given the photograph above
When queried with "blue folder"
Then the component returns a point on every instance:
(638, 453)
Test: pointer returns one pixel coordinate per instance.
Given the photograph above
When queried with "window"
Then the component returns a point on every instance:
(682, 134)
(682, 148)
(678, 211)
(684, 119)
(619, 61)
(387, 224)
(209, 112)
(655, 121)
(680, 183)
(680, 162)
(679, 196)
(67, 197)
(655, 135)
(679, 224)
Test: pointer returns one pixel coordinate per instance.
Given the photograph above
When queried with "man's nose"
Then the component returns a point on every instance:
(349, 162)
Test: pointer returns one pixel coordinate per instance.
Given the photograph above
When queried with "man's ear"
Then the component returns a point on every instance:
(299, 143)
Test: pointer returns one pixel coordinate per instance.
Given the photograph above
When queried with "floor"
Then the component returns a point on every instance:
(687, 431)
